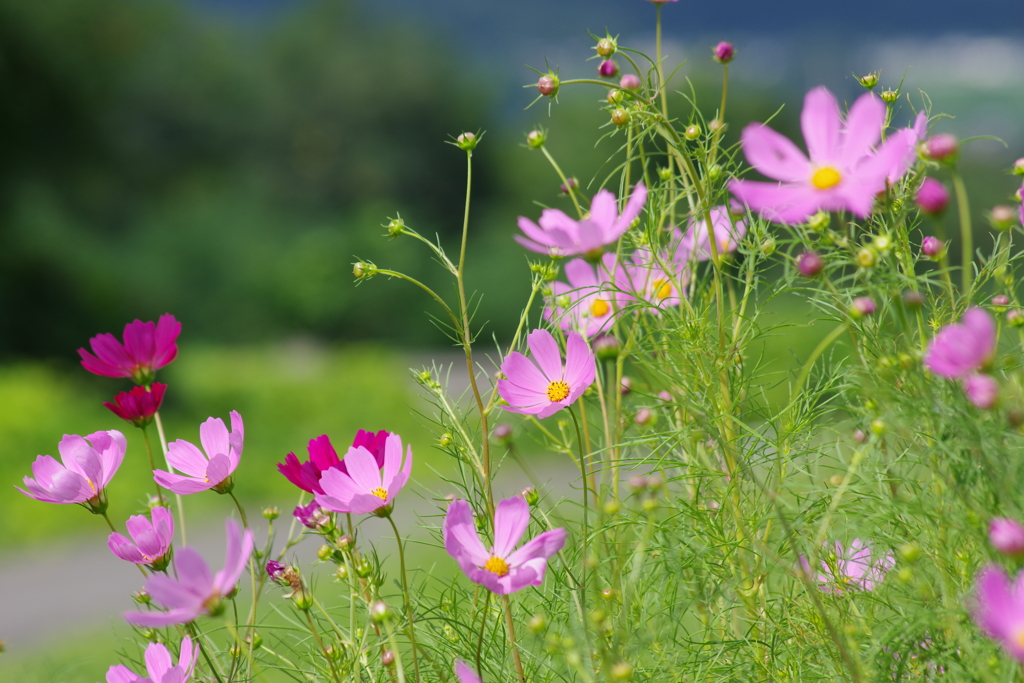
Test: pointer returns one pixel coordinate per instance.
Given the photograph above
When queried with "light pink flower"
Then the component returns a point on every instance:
(211, 469)
(695, 244)
(366, 486)
(1006, 535)
(844, 171)
(464, 673)
(559, 235)
(589, 303)
(962, 348)
(150, 540)
(998, 609)
(851, 567)
(160, 666)
(147, 348)
(89, 465)
(982, 390)
(195, 591)
(544, 390)
(502, 569)
(658, 282)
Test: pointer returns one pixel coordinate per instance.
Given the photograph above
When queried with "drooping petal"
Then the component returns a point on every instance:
(193, 572)
(110, 351)
(168, 592)
(236, 555)
(820, 124)
(182, 485)
(773, 154)
(124, 549)
(119, 673)
(161, 619)
(237, 436)
(511, 518)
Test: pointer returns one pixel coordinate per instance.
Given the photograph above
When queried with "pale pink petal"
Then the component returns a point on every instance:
(167, 592)
(119, 673)
(73, 449)
(534, 233)
(403, 476)
(580, 274)
(983, 331)
(820, 124)
(534, 246)
(185, 457)
(511, 518)
(163, 522)
(518, 396)
(236, 555)
(138, 525)
(124, 549)
(548, 410)
(338, 490)
(218, 470)
(604, 210)
(580, 367)
(787, 204)
(633, 208)
(543, 546)
(193, 572)
(545, 352)
(460, 537)
(773, 154)
(529, 573)
(863, 128)
(158, 661)
(213, 434)
(392, 461)
(187, 657)
(236, 438)
(362, 468)
(68, 487)
(365, 503)
(464, 673)
(180, 484)
(162, 619)
(525, 374)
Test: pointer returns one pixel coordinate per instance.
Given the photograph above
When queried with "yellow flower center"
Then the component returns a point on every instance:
(1018, 637)
(497, 566)
(825, 177)
(380, 493)
(662, 289)
(599, 308)
(558, 390)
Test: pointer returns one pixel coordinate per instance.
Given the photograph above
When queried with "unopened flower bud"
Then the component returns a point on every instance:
(638, 483)
(715, 125)
(612, 507)
(835, 480)
(768, 246)
(569, 185)
(615, 96)
(342, 572)
(1002, 217)
(388, 659)
(723, 52)
(608, 68)
(862, 306)
(905, 575)
(445, 440)
(608, 594)
(942, 147)
(665, 173)
(379, 611)
(649, 504)
(302, 599)
(630, 82)
(869, 81)
(606, 347)
(622, 671)
(538, 623)
(809, 264)
(548, 85)
(644, 417)
(324, 552)
(531, 496)
(364, 569)
(1006, 536)
(1015, 318)
(363, 270)
(275, 570)
(626, 385)
(535, 139)
(597, 616)
(345, 543)
(715, 171)
(1000, 300)
(692, 132)
(910, 552)
(931, 246)
(878, 427)
(819, 221)
(256, 640)
(466, 141)
(913, 299)
(141, 597)
(620, 117)
(889, 96)
(932, 197)
(665, 396)
(866, 258)
(859, 436)
(1018, 166)
(271, 513)
(235, 651)
(502, 433)
(606, 47)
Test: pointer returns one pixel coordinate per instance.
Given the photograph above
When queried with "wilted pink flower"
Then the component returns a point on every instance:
(982, 390)
(631, 81)
(139, 405)
(1006, 535)
(846, 568)
(195, 592)
(502, 569)
(998, 609)
(464, 673)
(311, 516)
(544, 390)
(608, 68)
(589, 303)
(932, 197)
(89, 465)
(160, 666)
(809, 264)
(147, 348)
(366, 486)
(724, 52)
(560, 235)
(695, 244)
(209, 470)
(150, 540)
(322, 456)
(844, 171)
(962, 348)
(931, 246)
(942, 147)
(863, 305)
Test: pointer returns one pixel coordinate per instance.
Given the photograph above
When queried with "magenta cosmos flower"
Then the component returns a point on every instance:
(209, 470)
(851, 567)
(589, 303)
(962, 348)
(844, 171)
(89, 464)
(150, 542)
(147, 347)
(139, 405)
(464, 673)
(999, 609)
(502, 569)
(366, 486)
(160, 666)
(559, 235)
(544, 390)
(195, 591)
(695, 244)
(322, 456)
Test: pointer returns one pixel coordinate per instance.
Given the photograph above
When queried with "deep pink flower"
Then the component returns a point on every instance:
(322, 456)
(160, 666)
(962, 348)
(150, 540)
(147, 348)
(998, 609)
(502, 569)
(559, 235)
(366, 486)
(844, 171)
(545, 390)
(1006, 535)
(932, 197)
(931, 246)
(695, 244)
(851, 567)
(589, 303)
(138, 405)
(723, 52)
(982, 390)
(195, 591)
(209, 470)
(89, 465)
(464, 673)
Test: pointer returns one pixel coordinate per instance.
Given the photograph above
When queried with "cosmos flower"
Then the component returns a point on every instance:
(147, 347)
(962, 348)
(322, 456)
(150, 542)
(694, 244)
(998, 609)
(589, 303)
(160, 666)
(544, 390)
(502, 569)
(464, 673)
(211, 469)
(139, 405)
(654, 282)
(89, 464)
(1006, 535)
(366, 486)
(851, 567)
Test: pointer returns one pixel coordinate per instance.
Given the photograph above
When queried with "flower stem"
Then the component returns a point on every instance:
(512, 639)
(152, 465)
(327, 656)
(480, 640)
(241, 510)
(408, 600)
(966, 236)
(565, 182)
(583, 470)
(394, 649)
(163, 446)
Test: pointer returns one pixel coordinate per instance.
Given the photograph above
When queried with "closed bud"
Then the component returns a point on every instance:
(606, 47)
(608, 68)
(715, 172)
(859, 436)
(388, 659)
(622, 671)
(644, 417)
(665, 173)
(612, 507)
(630, 82)
(531, 496)
(809, 264)
(302, 599)
(932, 197)
(345, 543)
(818, 221)
(363, 270)
(1015, 416)
(1002, 217)
(235, 651)
(723, 52)
(620, 117)
(913, 299)
(910, 552)
(569, 185)
(1000, 300)
(364, 569)
(548, 85)
(905, 575)
(597, 616)
(396, 227)
(271, 513)
(342, 572)
(141, 597)
(502, 433)
(535, 139)
(649, 504)
(835, 480)
(889, 96)
(445, 440)
(256, 640)
(615, 96)
(882, 243)
(324, 552)
(863, 306)
(608, 594)
(877, 427)
(942, 147)
(869, 81)
(931, 246)
(467, 141)
(866, 258)
(379, 611)
(626, 386)
(606, 347)
(665, 396)
(768, 246)
(1018, 167)
(1015, 317)
(692, 132)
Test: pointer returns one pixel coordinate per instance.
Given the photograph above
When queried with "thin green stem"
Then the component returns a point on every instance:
(966, 236)
(512, 639)
(408, 600)
(395, 651)
(583, 471)
(241, 510)
(565, 181)
(177, 497)
(152, 464)
(327, 655)
(480, 640)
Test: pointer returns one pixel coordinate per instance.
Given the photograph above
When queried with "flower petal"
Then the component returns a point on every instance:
(362, 468)
(863, 128)
(511, 518)
(545, 351)
(820, 123)
(158, 661)
(544, 546)
(460, 537)
(604, 210)
(773, 154)
(213, 434)
(185, 457)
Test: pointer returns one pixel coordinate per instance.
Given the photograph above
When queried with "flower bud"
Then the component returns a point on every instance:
(621, 671)
(869, 81)
(889, 96)
(1015, 318)
(256, 640)
(608, 594)
(324, 552)
(341, 572)
(141, 597)
(606, 347)
(548, 85)
(878, 427)
(932, 246)
(639, 483)
(1002, 217)
(665, 396)
(364, 569)
(630, 82)
(819, 221)
(302, 599)
(388, 659)
(809, 264)
(860, 437)
(535, 139)
(723, 52)
(615, 96)
(445, 440)
(835, 480)
(981, 390)
(644, 417)
(913, 299)
(620, 117)
(768, 246)
(626, 385)
(612, 507)
(569, 185)
(882, 243)
(866, 258)
(1006, 536)
(502, 433)
(380, 612)
(932, 197)
(363, 271)
(1000, 300)
(862, 306)
(275, 570)
(606, 47)
(649, 504)
(530, 495)
(1018, 166)
(345, 543)
(608, 68)
(692, 132)
(942, 147)
(466, 141)
(665, 173)
(271, 513)
(715, 171)
(537, 624)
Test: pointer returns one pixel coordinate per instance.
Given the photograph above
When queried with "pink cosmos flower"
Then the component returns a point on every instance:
(589, 303)
(982, 390)
(844, 171)
(502, 569)
(147, 348)
(559, 235)
(695, 244)
(209, 470)
(366, 486)
(906, 139)
(160, 666)
(657, 282)
(1006, 535)
(195, 591)
(850, 568)
(139, 405)
(545, 390)
(962, 348)
(89, 464)
(998, 609)
(464, 673)
(322, 456)
(150, 542)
